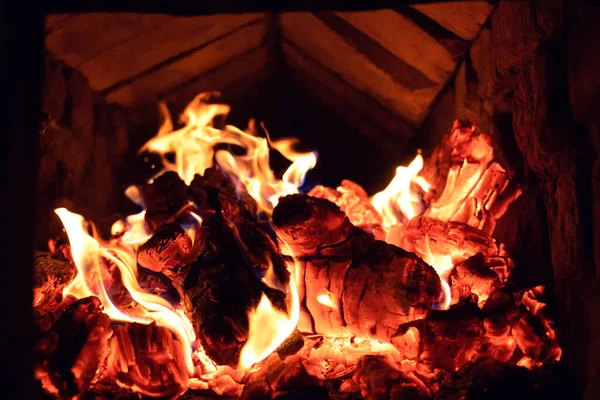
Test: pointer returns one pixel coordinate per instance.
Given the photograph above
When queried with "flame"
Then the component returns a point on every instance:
(326, 300)
(199, 144)
(269, 327)
(398, 199)
(442, 264)
(87, 253)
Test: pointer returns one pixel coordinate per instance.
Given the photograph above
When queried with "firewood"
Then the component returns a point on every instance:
(425, 235)
(218, 271)
(147, 359)
(219, 289)
(51, 272)
(374, 287)
(70, 354)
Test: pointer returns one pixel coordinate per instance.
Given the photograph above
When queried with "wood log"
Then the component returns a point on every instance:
(70, 355)
(218, 273)
(373, 287)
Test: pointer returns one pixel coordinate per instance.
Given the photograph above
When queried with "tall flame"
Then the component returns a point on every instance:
(87, 254)
(199, 144)
(269, 327)
(398, 199)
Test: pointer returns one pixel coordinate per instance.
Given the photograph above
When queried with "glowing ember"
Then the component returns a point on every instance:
(397, 202)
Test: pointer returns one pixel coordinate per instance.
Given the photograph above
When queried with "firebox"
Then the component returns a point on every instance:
(311, 201)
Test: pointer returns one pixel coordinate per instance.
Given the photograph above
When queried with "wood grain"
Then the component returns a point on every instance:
(146, 87)
(464, 18)
(320, 42)
(109, 48)
(405, 40)
(356, 108)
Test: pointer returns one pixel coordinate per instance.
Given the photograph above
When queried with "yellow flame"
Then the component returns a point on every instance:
(442, 264)
(199, 143)
(87, 253)
(326, 300)
(397, 198)
(269, 327)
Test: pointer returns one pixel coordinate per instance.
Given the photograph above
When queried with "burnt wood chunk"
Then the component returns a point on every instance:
(219, 272)
(370, 287)
(452, 337)
(163, 199)
(70, 355)
(169, 247)
(51, 272)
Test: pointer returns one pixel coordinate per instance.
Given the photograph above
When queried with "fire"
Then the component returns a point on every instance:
(269, 327)
(463, 219)
(398, 200)
(198, 145)
(88, 254)
(326, 300)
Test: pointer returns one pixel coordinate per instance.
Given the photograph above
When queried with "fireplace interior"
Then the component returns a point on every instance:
(433, 233)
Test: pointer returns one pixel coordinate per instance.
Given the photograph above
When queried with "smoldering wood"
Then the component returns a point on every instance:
(51, 272)
(70, 355)
(379, 378)
(148, 359)
(376, 286)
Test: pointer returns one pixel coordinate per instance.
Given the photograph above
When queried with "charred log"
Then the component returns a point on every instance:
(70, 354)
(163, 199)
(373, 287)
(169, 247)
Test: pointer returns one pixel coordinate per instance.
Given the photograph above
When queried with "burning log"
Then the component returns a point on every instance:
(147, 359)
(354, 202)
(70, 354)
(216, 267)
(169, 247)
(372, 287)
(425, 235)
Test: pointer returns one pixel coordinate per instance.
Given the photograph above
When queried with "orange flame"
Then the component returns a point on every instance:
(196, 146)
(87, 253)
(269, 327)
(326, 300)
(397, 199)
